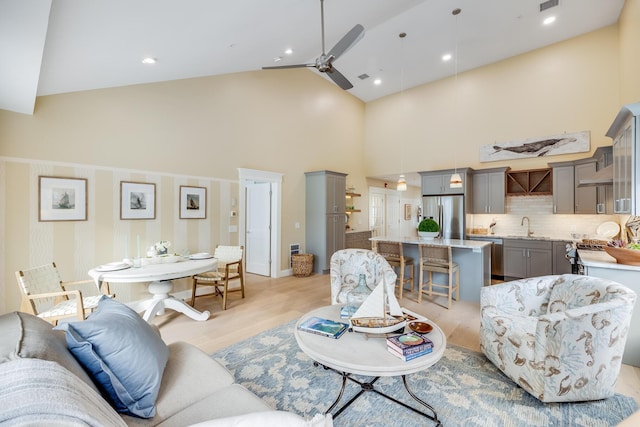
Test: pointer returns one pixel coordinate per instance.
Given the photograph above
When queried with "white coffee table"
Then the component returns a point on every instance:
(354, 353)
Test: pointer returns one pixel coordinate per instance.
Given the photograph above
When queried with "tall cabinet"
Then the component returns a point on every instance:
(325, 216)
(625, 132)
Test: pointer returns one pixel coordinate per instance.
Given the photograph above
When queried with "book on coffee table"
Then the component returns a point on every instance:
(408, 344)
(324, 327)
(407, 357)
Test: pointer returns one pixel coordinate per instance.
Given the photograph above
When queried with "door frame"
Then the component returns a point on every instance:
(249, 176)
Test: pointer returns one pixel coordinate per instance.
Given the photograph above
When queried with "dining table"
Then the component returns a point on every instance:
(159, 277)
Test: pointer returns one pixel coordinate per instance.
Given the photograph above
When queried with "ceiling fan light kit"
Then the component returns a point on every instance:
(324, 62)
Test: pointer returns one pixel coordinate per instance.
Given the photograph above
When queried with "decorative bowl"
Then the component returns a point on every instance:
(420, 327)
(624, 255)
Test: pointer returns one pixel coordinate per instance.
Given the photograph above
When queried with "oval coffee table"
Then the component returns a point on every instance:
(355, 353)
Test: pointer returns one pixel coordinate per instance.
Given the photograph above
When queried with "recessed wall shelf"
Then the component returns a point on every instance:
(529, 182)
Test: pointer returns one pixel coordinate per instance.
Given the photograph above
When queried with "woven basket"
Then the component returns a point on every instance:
(302, 264)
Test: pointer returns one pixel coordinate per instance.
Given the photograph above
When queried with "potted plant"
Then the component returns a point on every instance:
(428, 229)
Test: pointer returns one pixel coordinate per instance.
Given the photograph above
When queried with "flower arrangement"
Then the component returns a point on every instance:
(159, 248)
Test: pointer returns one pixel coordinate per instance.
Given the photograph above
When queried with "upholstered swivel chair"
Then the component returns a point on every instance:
(438, 259)
(229, 269)
(346, 266)
(45, 295)
(394, 254)
(560, 338)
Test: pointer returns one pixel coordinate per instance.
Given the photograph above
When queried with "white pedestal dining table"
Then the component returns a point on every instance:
(159, 277)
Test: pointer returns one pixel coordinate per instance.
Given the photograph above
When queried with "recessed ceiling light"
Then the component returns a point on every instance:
(149, 60)
(288, 51)
(277, 59)
(549, 20)
(377, 82)
(447, 57)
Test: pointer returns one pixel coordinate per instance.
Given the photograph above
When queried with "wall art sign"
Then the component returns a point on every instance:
(62, 199)
(137, 200)
(193, 202)
(553, 145)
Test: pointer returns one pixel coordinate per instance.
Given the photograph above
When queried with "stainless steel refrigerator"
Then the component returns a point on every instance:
(448, 211)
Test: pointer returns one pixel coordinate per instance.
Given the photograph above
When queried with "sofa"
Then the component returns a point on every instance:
(559, 337)
(43, 383)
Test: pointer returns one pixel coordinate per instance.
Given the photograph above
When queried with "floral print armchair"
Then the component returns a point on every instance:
(347, 265)
(560, 338)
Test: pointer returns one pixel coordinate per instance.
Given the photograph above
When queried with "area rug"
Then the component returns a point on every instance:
(464, 388)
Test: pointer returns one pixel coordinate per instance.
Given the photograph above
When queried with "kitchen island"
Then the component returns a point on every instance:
(473, 258)
(600, 264)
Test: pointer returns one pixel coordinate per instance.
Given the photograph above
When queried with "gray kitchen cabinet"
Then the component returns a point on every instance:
(437, 183)
(625, 132)
(527, 258)
(563, 187)
(604, 193)
(488, 191)
(561, 264)
(325, 216)
(585, 198)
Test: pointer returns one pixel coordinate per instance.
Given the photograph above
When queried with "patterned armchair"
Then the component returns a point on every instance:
(560, 338)
(347, 265)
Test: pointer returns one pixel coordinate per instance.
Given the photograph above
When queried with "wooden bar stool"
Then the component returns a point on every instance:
(392, 252)
(437, 259)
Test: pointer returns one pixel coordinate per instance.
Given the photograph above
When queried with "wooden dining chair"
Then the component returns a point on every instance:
(393, 253)
(229, 269)
(45, 295)
(437, 259)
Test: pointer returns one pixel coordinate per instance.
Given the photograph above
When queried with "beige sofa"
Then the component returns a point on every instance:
(41, 382)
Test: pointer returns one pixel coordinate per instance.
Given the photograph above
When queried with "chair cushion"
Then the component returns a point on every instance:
(123, 354)
(572, 291)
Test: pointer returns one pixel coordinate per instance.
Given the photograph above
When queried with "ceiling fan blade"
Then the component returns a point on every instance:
(348, 41)
(339, 79)
(279, 67)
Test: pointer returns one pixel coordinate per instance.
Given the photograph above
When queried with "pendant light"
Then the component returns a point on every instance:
(402, 182)
(456, 180)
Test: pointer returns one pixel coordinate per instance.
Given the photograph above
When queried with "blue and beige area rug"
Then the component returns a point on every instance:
(463, 387)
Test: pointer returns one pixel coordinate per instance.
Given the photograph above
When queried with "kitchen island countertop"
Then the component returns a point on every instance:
(602, 259)
(454, 243)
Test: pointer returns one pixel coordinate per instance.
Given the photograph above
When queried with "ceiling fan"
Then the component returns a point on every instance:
(324, 63)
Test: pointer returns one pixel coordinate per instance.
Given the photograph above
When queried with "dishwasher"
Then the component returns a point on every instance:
(497, 270)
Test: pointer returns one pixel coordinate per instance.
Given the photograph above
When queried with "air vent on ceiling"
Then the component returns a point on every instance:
(363, 76)
(548, 5)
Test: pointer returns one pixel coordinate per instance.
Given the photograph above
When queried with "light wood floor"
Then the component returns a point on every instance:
(272, 302)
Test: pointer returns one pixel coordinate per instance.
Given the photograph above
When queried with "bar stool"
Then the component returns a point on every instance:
(392, 252)
(437, 259)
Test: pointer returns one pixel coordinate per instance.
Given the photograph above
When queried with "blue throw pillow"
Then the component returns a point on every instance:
(122, 353)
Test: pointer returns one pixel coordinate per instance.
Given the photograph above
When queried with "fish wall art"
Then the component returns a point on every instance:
(553, 145)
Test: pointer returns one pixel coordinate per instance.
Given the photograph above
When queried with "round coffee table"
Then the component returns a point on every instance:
(355, 353)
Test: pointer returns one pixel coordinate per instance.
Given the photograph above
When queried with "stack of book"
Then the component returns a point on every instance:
(409, 346)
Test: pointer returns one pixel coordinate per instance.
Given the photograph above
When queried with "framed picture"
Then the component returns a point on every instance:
(137, 200)
(62, 199)
(193, 202)
(407, 212)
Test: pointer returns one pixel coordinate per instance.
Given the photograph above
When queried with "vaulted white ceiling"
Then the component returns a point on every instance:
(58, 46)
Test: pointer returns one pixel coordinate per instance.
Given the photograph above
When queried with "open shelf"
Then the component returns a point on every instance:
(529, 182)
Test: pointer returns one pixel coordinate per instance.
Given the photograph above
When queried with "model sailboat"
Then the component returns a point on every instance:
(379, 313)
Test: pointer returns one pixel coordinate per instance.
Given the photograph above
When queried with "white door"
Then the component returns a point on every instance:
(393, 215)
(376, 212)
(258, 229)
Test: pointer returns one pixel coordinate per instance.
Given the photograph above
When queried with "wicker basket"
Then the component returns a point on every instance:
(302, 264)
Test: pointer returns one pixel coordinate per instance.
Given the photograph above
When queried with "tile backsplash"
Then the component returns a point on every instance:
(539, 210)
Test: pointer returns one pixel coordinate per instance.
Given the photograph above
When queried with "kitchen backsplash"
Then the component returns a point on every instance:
(539, 210)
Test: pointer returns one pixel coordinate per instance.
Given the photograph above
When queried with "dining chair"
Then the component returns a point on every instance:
(393, 253)
(229, 269)
(437, 259)
(45, 295)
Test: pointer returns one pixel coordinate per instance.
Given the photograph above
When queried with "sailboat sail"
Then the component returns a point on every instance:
(380, 310)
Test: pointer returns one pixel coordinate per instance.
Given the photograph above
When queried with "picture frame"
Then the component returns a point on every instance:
(407, 212)
(193, 202)
(137, 200)
(62, 199)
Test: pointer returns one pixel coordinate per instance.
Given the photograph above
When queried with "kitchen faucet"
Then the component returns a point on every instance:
(529, 232)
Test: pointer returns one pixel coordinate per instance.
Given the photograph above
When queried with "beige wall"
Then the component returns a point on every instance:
(570, 86)
(193, 132)
(199, 131)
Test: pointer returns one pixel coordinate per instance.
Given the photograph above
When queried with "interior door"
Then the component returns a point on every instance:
(392, 215)
(258, 229)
